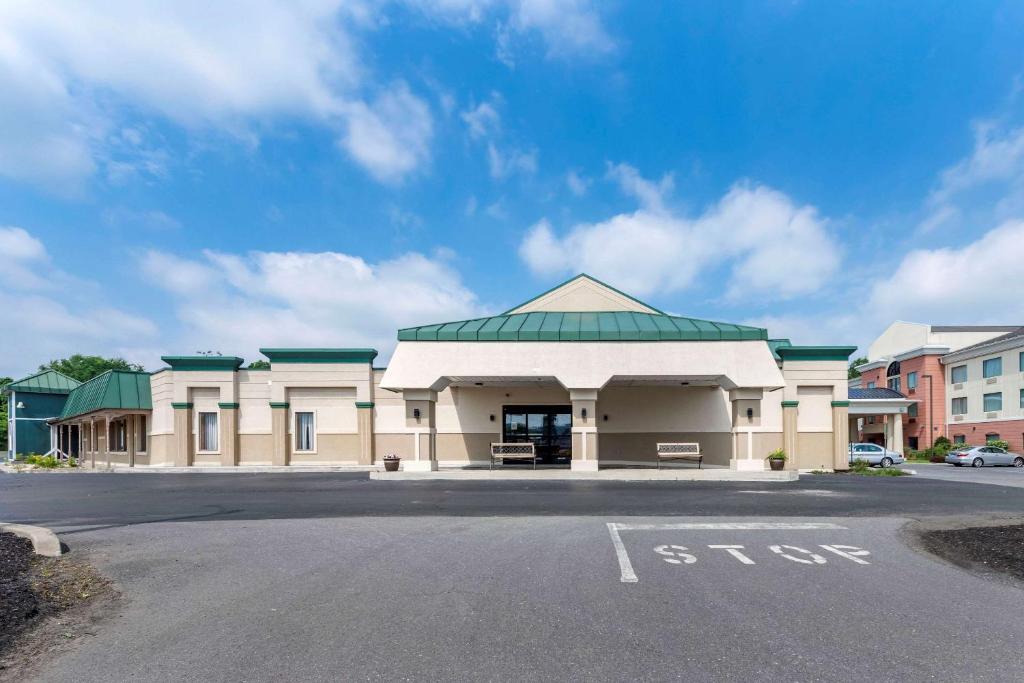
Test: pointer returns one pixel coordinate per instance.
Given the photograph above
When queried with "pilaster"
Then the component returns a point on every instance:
(279, 428)
(184, 451)
(229, 441)
(789, 438)
(841, 435)
(364, 423)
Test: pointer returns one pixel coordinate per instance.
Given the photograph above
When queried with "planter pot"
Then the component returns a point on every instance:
(392, 465)
(776, 464)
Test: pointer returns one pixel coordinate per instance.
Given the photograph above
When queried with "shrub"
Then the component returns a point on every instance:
(999, 443)
(45, 461)
(943, 443)
(859, 466)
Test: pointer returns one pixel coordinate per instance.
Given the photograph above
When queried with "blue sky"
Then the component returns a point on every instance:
(177, 178)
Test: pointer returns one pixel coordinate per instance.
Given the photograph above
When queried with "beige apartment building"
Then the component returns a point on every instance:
(591, 376)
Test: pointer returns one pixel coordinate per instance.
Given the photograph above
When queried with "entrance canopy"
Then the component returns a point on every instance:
(583, 365)
(878, 401)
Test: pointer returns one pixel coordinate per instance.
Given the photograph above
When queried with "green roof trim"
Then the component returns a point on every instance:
(840, 404)
(775, 344)
(279, 404)
(790, 404)
(364, 404)
(815, 352)
(573, 279)
(200, 363)
(603, 326)
(227, 406)
(181, 406)
(44, 382)
(321, 355)
(112, 390)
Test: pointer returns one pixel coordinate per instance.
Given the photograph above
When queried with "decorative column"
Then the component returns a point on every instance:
(421, 421)
(584, 430)
(106, 440)
(129, 429)
(279, 427)
(184, 453)
(228, 434)
(364, 422)
(94, 443)
(789, 415)
(840, 435)
(897, 433)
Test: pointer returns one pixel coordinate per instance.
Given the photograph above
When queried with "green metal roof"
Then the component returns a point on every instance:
(114, 389)
(815, 352)
(302, 355)
(200, 363)
(45, 382)
(609, 326)
(776, 344)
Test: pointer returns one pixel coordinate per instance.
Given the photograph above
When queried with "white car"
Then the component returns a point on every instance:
(873, 454)
(983, 456)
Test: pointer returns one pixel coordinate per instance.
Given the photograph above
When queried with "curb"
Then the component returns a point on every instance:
(44, 541)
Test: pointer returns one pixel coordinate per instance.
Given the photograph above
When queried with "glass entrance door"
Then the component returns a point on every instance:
(549, 428)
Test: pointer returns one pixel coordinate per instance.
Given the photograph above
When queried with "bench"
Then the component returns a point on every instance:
(680, 451)
(513, 451)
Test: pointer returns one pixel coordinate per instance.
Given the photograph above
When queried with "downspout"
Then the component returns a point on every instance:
(931, 413)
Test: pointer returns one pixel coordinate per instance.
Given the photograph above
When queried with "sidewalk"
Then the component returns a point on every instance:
(601, 475)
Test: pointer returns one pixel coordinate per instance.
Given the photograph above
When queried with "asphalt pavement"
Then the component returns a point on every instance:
(334, 577)
(999, 476)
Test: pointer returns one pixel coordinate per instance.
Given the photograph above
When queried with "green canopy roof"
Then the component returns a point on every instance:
(113, 390)
(45, 382)
(609, 326)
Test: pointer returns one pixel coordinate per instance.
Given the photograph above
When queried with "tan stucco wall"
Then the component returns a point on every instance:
(641, 447)
(465, 447)
(399, 444)
(161, 449)
(814, 451)
(255, 449)
(330, 448)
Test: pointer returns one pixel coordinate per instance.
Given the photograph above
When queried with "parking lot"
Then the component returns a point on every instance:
(713, 581)
(1000, 476)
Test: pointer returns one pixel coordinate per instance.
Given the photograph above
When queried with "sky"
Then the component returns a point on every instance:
(194, 176)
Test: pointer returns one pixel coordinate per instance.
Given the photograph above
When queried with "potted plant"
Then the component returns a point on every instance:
(777, 459)
(391, 462)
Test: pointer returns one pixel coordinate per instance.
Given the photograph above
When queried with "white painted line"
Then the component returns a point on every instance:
(738, 526)
(627, 575)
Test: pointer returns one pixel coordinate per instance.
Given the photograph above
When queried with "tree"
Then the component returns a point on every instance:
(4, 381)
(84, 368)
(853, 371)
(259, 365)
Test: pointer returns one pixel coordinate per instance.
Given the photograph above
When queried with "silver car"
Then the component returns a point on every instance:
(983, 456)
(873, 454)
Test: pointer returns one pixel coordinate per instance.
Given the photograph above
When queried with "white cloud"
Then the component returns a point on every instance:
(236, 303)
(577, 183)
(69, 69)
(996, 164)
(569, 29)
(757, 232)
(503, 164)
(484, 120)
(55, 313)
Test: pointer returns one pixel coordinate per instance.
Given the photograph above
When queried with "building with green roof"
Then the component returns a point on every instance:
(31, 402)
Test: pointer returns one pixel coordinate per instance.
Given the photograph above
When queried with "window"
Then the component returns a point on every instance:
(894, 383)
(911, 380)
(959, 438)
(912, 410)
(141, 422)
(118, 436)
(960, 406)
(871, 385)
(1022, 361)
(1022, 398)
(208, 431)
(993, 402)
(304, 432)
(993, 367)
(958, 374)
(991, 437)
(912, 442)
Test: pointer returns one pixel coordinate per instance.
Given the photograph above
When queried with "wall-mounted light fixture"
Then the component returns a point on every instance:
(605, 418)
(492, 418)
(479, 384)
(583, 413)
(416, 413)
(750, 413)
(683, 384)
(20, 405)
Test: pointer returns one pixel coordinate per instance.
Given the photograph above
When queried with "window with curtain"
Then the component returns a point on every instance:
(993, 367)
(141, 422)
(960, 406)
(305, 429)
(207, 431)
(959, 374)
(118, 436)
(993, 402)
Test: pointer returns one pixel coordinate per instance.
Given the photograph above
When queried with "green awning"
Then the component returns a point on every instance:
(611, 326)
(113, 390)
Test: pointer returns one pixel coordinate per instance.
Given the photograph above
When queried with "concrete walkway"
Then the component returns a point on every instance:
(691, 474)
